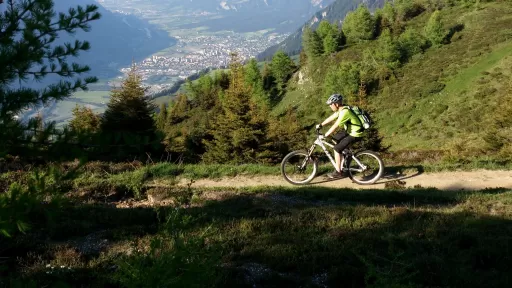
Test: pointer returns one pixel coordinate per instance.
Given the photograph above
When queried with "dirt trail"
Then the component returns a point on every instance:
(473, 180)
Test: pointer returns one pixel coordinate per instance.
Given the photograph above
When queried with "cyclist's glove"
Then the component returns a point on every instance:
(318, 126)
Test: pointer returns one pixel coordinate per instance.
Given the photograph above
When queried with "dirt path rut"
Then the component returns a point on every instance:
(473, 180)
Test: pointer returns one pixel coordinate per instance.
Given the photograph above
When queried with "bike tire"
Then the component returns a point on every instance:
(376, 177)
(290, 155)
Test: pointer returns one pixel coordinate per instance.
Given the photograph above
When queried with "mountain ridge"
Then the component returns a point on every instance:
(335, 12)
(250, 15)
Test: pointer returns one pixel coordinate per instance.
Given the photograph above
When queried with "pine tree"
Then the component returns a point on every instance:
(434, 30)
(161, 118)
(254, 80)
(84, 120)
(235, 135)
(388, 16)
(283, 135)
(83, 128)
(252, 73)
(344, 79)
(282, 67)
(331, 42)
(411, 43)
(39, 128)
(388, 50)
(323, 29)
(180, 109)
(129, 113)
(204, 93)
(331, 38)
(342, 38)
(268, 79)
(27, 32)
(359, 25)
(221, 79)
(312, 44)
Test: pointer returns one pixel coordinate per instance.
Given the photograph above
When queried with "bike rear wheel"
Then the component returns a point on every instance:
(298, 164)
(370, 172)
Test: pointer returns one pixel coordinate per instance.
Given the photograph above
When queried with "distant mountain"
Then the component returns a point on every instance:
(243, 6)
(335, 12)
(252, 15)
(115, 40)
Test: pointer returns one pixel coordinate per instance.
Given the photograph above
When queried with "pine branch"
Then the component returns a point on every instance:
(26, 97)
(31, 43)
(34, 33)
(15, 21)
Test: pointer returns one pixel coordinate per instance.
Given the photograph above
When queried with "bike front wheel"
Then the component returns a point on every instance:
(298, 168)
(365, 168)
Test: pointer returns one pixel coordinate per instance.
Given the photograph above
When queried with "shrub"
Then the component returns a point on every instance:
(434, 30)
(359, 25)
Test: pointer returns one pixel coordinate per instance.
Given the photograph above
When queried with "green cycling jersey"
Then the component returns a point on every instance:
(350, 122)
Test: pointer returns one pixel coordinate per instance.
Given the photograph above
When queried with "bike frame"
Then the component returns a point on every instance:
(345, 160)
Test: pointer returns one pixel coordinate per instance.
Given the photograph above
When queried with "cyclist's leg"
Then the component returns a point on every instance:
(338, 137)
(343, 144)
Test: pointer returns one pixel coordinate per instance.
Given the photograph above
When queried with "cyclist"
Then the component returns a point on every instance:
(344, 137)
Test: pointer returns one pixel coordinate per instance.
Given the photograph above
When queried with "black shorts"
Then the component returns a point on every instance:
(344, 140)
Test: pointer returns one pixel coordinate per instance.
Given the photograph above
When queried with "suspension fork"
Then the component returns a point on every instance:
(309, 153)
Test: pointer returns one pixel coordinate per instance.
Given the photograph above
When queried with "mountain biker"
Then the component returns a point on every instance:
(344, 137)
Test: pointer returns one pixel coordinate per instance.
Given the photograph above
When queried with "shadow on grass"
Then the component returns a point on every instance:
(409, 249)
(351, 238)
(360, 245)
(455, 28)
(81, 226)
(261, 202)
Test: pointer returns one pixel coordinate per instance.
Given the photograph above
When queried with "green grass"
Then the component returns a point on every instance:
(92, 96)
(105, 233)
(468, 76)
(414, 114)
(371, 238)
(442, 97)
(100, 180)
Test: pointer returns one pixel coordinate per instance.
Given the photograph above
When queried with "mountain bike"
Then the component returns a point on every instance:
(353, 163)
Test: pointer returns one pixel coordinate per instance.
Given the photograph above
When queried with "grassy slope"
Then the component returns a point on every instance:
(415, 118)
(277, 236)
(411, 112)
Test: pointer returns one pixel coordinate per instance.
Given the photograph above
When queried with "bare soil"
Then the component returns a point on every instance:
(467, 180)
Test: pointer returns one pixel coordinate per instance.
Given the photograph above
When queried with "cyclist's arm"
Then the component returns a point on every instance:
(330, 119)
(342, 118)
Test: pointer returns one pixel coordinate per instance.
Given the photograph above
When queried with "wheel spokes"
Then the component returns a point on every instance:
(367, 169)
(299, 168)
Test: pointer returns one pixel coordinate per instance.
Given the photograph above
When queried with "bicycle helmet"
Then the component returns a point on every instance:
(334, 98)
